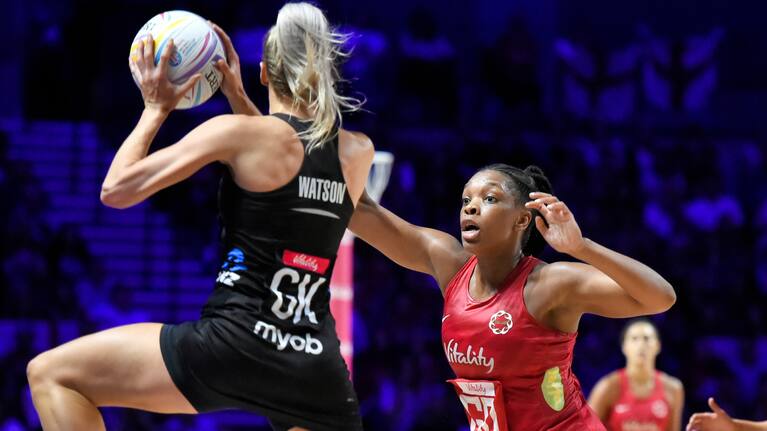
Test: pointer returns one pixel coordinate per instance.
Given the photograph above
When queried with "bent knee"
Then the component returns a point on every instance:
(41, 369)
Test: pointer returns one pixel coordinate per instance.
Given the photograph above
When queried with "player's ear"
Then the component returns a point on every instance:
(264, 77)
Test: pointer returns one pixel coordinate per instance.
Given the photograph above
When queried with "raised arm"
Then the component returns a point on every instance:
(133, 176)
(417, 248)
(232, 85)
(607, 283)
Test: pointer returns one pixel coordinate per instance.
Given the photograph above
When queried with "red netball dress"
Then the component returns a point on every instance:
(513, 373)
(645, 414)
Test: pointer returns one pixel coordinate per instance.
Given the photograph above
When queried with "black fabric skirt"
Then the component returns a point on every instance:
(296, 378)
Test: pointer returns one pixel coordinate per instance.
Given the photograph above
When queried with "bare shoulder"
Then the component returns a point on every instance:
(444, 242)
(447, 254)
(566, 277)
(229, 123)
(556, 277)
(357, 136)
(356, 151)
(671, 384)
(611, 381)
(273, 138)
(226, 134)
(564, 272)
(264, 151)
(261, 122)
(263, 129)
(355, 145)
(607, 390)
(266, 126)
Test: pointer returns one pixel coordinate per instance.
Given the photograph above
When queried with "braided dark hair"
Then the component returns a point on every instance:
(523, 182)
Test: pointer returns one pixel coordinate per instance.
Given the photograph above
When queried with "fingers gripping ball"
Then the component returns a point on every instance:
(197, 49)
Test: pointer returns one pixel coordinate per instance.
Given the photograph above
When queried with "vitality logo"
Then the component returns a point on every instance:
(469, 357)
(305, 261)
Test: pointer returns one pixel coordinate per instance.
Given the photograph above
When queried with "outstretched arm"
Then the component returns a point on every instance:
(719, 420)
(608, 283)
(421, 249)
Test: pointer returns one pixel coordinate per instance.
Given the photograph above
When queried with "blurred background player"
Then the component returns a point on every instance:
(639, 396)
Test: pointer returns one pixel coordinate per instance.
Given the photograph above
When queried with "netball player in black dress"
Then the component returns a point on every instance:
(266, 340)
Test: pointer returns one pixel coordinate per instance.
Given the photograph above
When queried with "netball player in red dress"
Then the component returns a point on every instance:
(510, 320)
(639, 397)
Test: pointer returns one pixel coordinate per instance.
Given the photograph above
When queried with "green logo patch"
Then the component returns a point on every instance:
(553, 390)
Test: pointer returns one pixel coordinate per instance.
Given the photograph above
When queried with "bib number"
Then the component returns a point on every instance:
(483, 402)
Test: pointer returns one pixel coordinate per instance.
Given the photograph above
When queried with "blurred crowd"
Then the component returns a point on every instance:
(622, 134)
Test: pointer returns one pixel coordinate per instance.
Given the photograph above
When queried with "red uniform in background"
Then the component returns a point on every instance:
(510, 368)
(640, 414)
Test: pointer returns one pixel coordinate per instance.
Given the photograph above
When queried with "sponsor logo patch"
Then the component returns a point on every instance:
(468, 357)
(305, 261)
(500, 322)
(282, 340)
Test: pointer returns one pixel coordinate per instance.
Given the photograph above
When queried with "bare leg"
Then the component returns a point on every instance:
(120, 367)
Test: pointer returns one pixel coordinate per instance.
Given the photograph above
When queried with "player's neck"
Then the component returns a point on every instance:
(491, 272)
(640, 372)
(279, 103)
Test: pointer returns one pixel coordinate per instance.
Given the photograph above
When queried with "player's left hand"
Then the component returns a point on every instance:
(560, 229)
(156, 89)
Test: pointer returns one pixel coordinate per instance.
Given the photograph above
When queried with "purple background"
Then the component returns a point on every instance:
(648, 116)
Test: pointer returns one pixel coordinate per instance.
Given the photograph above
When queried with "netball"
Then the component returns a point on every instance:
(197, 48)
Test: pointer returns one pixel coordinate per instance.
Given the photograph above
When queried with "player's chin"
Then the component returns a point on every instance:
(472, 246)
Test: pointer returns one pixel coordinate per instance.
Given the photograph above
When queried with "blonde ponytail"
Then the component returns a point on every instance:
(301, 53)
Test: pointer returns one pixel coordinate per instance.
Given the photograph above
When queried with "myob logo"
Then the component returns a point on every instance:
(282, 340)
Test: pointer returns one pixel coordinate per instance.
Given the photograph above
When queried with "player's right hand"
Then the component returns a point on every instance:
(156, 89)
(716, 420)
(232, 85)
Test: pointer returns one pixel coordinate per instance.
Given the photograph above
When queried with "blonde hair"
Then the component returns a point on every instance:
(301, 52)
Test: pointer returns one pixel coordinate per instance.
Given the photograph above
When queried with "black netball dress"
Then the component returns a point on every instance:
(266, 341)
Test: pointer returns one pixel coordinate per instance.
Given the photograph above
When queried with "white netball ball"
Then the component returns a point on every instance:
(197, 48)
